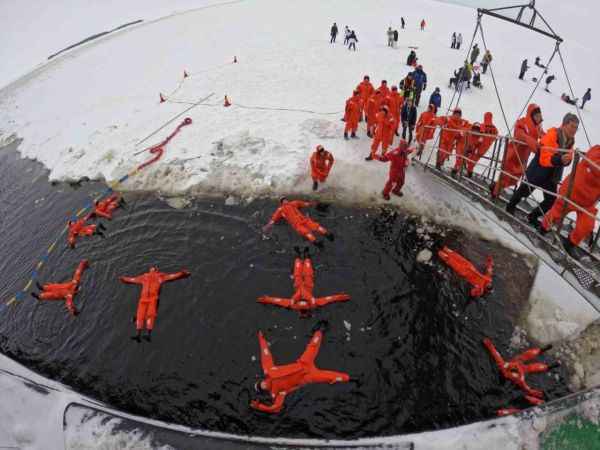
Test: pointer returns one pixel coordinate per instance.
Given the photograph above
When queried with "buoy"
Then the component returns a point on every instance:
(185, 74)
(162, 99)
(226, 103)
(234, 59)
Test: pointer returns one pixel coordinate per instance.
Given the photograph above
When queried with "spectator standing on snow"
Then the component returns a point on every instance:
(346, 35)
(352, 40)
(549, 80)
(395, 38)
(586, 97)
(390, 36)
(402, 22)
(420, 78)
(412, 58)
(524, 68)
(538, 63)
(409, 119)
(436, 99)
(334, 32)
(453, 40)
(422, 24)
(486, 60)
(459, 40)
(474, 54)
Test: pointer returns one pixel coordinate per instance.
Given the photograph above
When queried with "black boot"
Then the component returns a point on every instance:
(297, 251)
(35, 295)
(330, 236)
(137, 337)
(354, 136)
(319, 244)
(369, 158)
(315, 185)
(306, 253)
(369, 134)
(101, 226)
(346, 136)
(148, 336)
(39, 286)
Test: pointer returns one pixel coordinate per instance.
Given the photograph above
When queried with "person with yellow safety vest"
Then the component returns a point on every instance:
(546, 169)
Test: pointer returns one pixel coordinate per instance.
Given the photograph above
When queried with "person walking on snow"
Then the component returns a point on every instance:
(549, 80)
(436, 98)
(486, 60)
(453, 40)
(402, 22)
(459, 41)
(420, 78)
(321, 162)
(538, 63)
(586, 97)
(352, 40)
(409, 119)
(333, 33)
(423, 25)
(390, 37)
(346, 35)
(398, 159)
(395, 38)
(474, 54)
(352, 114)
(524, 68)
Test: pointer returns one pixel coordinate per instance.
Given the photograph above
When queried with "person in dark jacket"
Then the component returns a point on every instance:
(453, 40)
(436, 99)
(412, 57)
(586, 97)
(352, 40)
(474, 54)
(408, 116)
(546, 169)
(402, 22)
(549, 80)
(486, 60)
(333, 33)
(420, 78)
(395, 38)
(346, 35)
(524, 68)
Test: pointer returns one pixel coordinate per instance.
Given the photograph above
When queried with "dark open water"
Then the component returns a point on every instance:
(414, 342)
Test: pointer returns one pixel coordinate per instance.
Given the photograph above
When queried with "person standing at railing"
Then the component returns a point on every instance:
(425, 128)
(528, 130)
(585, 192)
(489, 132)
(467, 145)
(452, 127)
(546, 169)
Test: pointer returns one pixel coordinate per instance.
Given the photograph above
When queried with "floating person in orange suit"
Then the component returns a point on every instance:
(303, 225)
(81, 228)
(104, 208)
(465, 269)
(147, 309)
(303, 299)
(63, 291)
(283, 380)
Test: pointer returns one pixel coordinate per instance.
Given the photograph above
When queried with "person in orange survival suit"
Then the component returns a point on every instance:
(528, 130)
(303, 299)
(425, 128)
(480, 283)
(384, 89)
(366, 89)
(394, 102)
(382, 134)
(453, 126)
(398, 159)
(516, 369)
(79, 228)
(147, 309)
(321, 162)
(373, 107)
(467, 145)
(352, 115)
(282, 380)
(63, 291)
(489, 130)
(585, 192)
(303, 225)
(104, 208)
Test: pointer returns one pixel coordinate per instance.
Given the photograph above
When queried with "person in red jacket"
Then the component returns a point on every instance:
(516, 369)
(383, 132)
(321, 162)
(490, 132)
(384, 89)
(425, 128)
(283, 380)
(80, 228)
(585, 193)
(303, 225)
(105, 208)
(528, 131)
(422, 24)
(373, 106)
(465, 269)
(147, 309)
(352, 115)
(303, 299)
(398, 159)
(366, 90)
(467, 145)
(453, 127)
(63, 291)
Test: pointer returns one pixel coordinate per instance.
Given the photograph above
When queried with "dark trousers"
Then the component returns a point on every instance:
(418, 95)
(453, 45)
(333, 36)
(352, 46)
(521, 75)
(525, 191)
(485, 66)
(410, 128)
(458, 46)
(583, 102)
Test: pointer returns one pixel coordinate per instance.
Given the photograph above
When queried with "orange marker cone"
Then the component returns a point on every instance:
(185, 74)
(234, 59)
(162, 99)
(227, 103)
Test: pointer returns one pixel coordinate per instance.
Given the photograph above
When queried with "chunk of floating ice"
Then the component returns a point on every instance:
(424, 256)
(347, 325)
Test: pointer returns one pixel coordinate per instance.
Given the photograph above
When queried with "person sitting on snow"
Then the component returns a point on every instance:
(565, 98)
